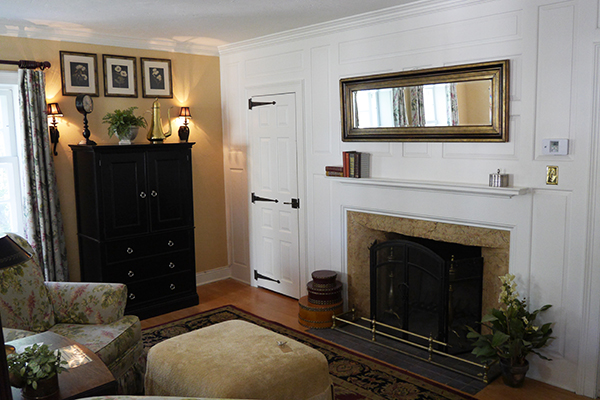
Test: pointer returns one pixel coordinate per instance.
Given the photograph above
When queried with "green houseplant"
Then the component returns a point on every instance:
(35, 370)
(512, 334)
(124, 124)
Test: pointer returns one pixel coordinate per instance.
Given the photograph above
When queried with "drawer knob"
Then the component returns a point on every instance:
(131, 296)
(170, 243)
(171, 265)
(172, 286)
(130, 274)
(153, 193)
(143, 195)
(129, 250)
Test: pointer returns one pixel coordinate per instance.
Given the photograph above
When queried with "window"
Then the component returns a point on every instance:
(11, 214)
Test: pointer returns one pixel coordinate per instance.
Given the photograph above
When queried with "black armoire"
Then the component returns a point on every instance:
(135, 222)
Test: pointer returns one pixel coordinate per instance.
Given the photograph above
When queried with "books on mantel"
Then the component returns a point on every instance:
(331, 170)
(355, 165)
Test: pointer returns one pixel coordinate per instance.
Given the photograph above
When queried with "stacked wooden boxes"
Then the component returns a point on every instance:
(323, 301)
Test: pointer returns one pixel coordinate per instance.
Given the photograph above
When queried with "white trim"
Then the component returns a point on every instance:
(588, 369)
(461, 188)
(372, 18)
(213, 275)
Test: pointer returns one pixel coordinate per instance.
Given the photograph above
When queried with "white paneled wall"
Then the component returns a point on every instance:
(555, 72)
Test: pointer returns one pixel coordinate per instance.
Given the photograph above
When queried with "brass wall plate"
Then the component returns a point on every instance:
(551, 175)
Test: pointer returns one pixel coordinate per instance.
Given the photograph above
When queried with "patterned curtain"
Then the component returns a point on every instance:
(400, 117)
(43, 220)
(417, 106)
(452, 104)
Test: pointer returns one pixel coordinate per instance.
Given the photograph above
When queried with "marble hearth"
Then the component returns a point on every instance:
(364, 228)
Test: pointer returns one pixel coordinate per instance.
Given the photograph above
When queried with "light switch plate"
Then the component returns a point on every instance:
(555, 147)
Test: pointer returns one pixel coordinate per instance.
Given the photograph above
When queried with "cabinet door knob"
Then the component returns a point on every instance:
(130, 274)
(170, 243)
(171, 265)
(172, 286)
(153, 193)
(143, 195)
(129, 250)
(131, 296)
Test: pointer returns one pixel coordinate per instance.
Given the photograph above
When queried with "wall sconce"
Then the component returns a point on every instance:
(54, 111)
(184, 130)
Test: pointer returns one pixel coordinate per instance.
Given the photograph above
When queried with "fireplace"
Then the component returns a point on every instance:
(490, 243)
(427, 287)
(363, 228)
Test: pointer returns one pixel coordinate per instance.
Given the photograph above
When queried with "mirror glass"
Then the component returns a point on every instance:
(466, 102)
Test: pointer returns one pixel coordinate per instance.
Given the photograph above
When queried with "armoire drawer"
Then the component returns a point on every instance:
(146, 246)
(157, 288)
(149, 267)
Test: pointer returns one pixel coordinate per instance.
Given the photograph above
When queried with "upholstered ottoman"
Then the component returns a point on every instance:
(237, 359)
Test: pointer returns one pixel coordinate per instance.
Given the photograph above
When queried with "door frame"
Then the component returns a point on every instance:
(296, 87)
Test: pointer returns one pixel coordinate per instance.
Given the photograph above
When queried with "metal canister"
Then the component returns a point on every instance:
(498, 180)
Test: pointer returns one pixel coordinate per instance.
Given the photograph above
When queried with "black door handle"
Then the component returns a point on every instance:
(258, 198)
(295, 203)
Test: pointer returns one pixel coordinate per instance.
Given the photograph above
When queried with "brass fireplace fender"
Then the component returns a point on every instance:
(431, 352)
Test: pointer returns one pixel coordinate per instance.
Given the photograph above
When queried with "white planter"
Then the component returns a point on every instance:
(133, 131)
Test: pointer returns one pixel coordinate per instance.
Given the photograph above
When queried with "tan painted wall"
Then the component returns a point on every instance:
(195, 84)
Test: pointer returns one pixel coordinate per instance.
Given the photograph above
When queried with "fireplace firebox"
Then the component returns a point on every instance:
(430, 288)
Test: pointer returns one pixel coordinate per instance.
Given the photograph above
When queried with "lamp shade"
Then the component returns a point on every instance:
(54, 110)
(185, 112)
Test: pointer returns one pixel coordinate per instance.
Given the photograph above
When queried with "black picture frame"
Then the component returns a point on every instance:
(120, 76)
(79, 73)
(157, 80)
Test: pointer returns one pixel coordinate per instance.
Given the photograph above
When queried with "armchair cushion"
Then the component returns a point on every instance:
(14, 334)
(108, 341)
(87, 303)
(24, 301)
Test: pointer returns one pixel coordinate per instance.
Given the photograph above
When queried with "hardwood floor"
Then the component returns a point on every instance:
(284, 310)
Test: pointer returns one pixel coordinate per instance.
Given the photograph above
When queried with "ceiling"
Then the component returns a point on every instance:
(196, 23)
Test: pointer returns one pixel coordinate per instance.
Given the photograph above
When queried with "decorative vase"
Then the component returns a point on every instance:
(132, 134)
(514, 375)
(46, 388)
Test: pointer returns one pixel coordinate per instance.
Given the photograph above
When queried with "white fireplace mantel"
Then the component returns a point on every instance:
(448, 187)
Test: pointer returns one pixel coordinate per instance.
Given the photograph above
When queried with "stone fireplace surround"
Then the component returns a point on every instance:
(363, 228)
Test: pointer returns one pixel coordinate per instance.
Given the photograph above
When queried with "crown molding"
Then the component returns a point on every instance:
(372, 18)
(87, 37)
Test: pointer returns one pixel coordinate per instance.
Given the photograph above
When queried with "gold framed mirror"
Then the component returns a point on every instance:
(462, 103)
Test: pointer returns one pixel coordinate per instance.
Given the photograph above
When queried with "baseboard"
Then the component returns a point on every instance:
(213, 275)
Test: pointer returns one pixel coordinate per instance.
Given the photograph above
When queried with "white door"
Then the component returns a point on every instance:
(274, 244)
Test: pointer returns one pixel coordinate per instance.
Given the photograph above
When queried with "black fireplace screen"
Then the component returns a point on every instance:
(427, 292)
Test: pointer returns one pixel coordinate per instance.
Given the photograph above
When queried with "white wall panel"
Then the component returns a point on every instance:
(320, 95)
(431, 38)
(238, 212)
(548, 257)
(276, 64)
(555, 48)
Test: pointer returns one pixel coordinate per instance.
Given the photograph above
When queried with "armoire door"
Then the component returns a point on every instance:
(124, 194)
(170, 190)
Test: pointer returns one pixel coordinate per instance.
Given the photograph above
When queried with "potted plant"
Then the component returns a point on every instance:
(512, 334)
(35, 371)
(124, 124)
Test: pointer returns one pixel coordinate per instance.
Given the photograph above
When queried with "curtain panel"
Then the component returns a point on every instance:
(42, 217)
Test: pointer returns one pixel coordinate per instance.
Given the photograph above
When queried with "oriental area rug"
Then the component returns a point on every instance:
(355, 376)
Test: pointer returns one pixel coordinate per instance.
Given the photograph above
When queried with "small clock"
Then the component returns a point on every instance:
(84, 103)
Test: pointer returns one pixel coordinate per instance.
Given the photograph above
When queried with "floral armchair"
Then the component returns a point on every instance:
(89, 313)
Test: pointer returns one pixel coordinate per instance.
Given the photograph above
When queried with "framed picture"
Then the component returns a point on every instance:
(79, 73)
(156, 78)
(119, 76)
